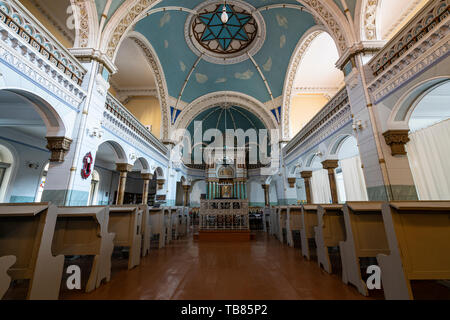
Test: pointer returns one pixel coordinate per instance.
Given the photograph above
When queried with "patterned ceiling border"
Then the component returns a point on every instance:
(86, 31)
(131, 11)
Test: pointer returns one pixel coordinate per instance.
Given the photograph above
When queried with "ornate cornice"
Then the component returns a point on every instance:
(425, 48)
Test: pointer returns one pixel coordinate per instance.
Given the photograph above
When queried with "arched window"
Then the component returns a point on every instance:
(93, 194)
(42, 182)
(6, 163)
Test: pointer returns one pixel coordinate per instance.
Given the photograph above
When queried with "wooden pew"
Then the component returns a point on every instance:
(329, 232)
(84, 231)
(126, 223)
(157, 225)
(365, 238)
(146, 230)
(418, 235)
(295, 221)
(282, 217)
(6, 262)
(309, 222)
(26, 233)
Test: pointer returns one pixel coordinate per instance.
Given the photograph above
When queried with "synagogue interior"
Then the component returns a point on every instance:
(224, 150)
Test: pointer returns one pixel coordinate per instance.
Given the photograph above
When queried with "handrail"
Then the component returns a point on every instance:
(121, 112)
(339, 101)
(20, 21)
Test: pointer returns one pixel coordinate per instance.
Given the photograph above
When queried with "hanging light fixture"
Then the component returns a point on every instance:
(224, 16)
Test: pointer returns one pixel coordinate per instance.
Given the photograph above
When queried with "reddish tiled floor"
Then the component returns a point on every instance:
(188, 270)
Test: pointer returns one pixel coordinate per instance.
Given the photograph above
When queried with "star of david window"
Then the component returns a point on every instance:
(224, 38)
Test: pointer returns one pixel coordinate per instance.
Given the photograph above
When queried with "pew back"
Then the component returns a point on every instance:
(418, 235)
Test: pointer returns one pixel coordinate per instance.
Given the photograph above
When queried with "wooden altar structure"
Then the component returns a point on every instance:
(224, 220)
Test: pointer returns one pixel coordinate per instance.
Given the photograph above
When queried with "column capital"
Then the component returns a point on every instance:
(147, 176)
(397, 139)
(186, 188)
(58, 146)
(306, 174)
(160, 183)
(124, 167)
(330, 164)
(265, 186)
(292, 182)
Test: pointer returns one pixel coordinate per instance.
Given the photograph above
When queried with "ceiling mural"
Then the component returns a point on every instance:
(166, 32)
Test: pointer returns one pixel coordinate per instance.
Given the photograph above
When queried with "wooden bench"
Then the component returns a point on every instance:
(83, 231)
(126, 223)
(329, 232)
(146, 230)
(26, 233)
(283, 229)
(365, 238)
(157, 225)
(309, 222)
(418, 235)
(295, 222)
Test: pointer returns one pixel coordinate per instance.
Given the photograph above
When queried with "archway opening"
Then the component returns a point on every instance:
(350, 181)
(428, 149)
(25, 123)
(320, 183)
(6, 169)
(317, 80)
(136, 87)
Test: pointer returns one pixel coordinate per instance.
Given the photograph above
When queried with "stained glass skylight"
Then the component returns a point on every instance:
(214, 35)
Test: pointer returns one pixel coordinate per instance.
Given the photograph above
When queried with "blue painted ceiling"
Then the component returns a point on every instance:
(165, 31)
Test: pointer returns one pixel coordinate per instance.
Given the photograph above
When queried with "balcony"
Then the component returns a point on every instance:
(114, 109)
(26, 32)
(336, 113)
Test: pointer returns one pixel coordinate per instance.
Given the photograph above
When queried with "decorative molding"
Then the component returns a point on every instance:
(427, 46)
(18, 54)
(38, 41)
(126, 16)
(160, 80)
(369, 18)
(333, 116)
(124, 167)
(58, 146)
(224, 98)
(397, 139)
(294, 64)
(116, 113)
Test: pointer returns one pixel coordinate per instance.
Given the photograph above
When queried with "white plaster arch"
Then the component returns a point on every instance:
(160, 79)
(403, 109)
(296, 59)
(336, 143)
(223, 98)
(118, 149)
(10, 176)
(53, 121)
(87, 24)
(132, 11)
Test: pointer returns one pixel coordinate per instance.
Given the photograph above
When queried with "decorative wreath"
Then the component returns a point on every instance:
(87, 166)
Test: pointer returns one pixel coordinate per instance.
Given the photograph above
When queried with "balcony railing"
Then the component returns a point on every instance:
(423, 23)
(330, 111)
(18, 20)
(114, 107)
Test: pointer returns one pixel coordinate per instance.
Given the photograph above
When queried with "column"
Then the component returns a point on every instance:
(266, 194)
(146, 177)
(123, 168)
(307, 175)
(331, 165)
(186, 195)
